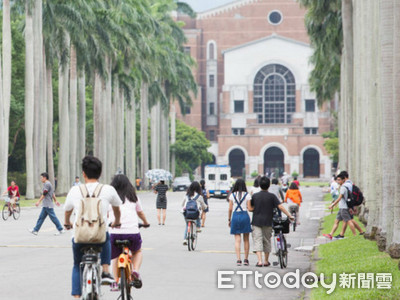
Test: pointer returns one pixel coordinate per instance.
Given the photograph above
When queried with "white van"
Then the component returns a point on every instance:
(217, 178)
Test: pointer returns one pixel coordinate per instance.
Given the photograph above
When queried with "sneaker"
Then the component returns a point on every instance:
(60, 232)
(327, 236)
(107, 278)
(137, 281)
(339, 237)
(184, 242)
(33, 231)
(114, 287)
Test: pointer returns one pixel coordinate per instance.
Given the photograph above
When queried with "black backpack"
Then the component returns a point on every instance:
(354, 197)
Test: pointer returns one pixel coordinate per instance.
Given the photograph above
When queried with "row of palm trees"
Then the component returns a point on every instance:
(130, 52)
(369, 123)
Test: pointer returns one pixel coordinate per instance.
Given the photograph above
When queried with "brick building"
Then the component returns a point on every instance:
(254, 101)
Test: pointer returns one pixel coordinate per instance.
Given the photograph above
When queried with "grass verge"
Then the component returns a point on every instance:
(354, 255)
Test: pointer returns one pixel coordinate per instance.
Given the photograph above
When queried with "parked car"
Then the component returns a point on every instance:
(181, 184)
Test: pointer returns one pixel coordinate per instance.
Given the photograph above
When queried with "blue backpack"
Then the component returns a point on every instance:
(192, 211)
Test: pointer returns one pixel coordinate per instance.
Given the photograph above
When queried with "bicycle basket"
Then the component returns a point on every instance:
(279, 224)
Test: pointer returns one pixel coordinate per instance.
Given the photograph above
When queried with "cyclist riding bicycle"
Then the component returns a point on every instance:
(131, 211)
(293, 198)
(194, 192)
(91, 170)
(13, 193)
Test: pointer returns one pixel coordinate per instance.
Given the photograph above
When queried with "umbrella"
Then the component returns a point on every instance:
(158, 174)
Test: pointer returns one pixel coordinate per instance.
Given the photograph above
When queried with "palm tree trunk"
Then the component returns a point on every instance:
(97, 114)
(81, 119)
(386, 33)
(63, 174)
(5, 91)
(29, 102)
(164, 134)
(394, 246)
(118, 137)
(73, 85)
(155, 135)
(50, 161)
(39, 132)
(173, 137)
(347, 91)
(130, 138)
(144, 147)
(109, 149)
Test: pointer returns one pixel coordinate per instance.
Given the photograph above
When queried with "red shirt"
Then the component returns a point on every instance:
(13, 189)
(296, 182)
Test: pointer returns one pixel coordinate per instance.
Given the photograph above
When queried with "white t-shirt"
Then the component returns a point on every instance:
(344, 193)
(334, 188)
(129, 218)
(108, 195)
(254, 190)
(239, 198)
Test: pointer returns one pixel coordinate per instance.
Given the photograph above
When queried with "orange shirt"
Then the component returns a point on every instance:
(294, 195)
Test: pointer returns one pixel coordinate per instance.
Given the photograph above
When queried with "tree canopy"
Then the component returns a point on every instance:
(190, 148)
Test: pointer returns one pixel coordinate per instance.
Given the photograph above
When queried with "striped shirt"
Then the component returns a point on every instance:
(161, 190)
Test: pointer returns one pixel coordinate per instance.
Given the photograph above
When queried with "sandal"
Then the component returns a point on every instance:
(246, 262)
(267, 265)
(238, 262)
(259, 265)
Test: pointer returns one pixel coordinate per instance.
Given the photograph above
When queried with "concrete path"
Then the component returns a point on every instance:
(39, 267)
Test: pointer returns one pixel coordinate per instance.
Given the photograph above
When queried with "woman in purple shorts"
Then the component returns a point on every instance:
(131, 210)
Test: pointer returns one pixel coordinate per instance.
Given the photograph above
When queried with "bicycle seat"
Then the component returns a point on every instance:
(122, 243)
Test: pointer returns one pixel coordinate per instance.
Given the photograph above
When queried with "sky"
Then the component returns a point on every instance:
(202, 5)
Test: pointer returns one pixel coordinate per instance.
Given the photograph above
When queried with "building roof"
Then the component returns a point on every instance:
(223, 8)
(270, 37)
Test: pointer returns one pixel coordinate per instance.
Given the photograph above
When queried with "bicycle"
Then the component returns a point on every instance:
(191, 234)
(8, 210)
(125, 268)
(91, 273)
(281, 227)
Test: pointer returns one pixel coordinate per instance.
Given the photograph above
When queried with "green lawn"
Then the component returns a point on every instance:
(354, 254)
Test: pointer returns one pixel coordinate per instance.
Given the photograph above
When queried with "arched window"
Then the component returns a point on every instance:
(237, 162)
(274, 95)
(211, 50)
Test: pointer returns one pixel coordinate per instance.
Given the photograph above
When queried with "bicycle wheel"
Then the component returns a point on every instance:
(5, 212)
(17, 212)
(188, 236)
(295, 220)
(125, 288)
(194, 236)
(284, 252)
(280, 258)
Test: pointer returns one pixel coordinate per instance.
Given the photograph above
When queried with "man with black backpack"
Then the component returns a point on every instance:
(345, 213)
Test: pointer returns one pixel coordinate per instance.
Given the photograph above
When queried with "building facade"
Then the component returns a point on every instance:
(254, 101)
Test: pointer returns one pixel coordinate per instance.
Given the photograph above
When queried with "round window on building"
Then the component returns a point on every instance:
(275, 17)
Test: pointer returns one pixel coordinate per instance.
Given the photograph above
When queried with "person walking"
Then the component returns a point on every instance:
(91, 170)
(262, 205)
(131, 211)
(276, 189)
(206, 196)
(239, 220)
(256, 186)
(161, 190)
(77, 181)
(293, 198)
(47, 206)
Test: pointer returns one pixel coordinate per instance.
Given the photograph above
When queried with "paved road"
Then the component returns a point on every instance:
(39, 267)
